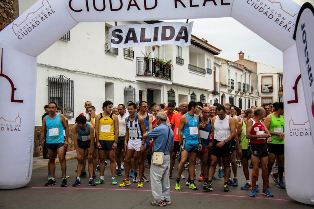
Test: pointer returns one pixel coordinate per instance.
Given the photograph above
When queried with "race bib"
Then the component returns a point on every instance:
(260, 132)
(193, 131)
(85, 138)
(53, 132)
(278, 130)
(133, 133)
(105, 128)
(256, 129)
(204, 134)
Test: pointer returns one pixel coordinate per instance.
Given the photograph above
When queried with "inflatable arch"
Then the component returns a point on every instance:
(283, 23)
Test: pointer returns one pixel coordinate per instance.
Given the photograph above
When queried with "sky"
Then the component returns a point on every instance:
(232, 37)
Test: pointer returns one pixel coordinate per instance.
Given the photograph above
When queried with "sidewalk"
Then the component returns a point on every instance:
(39, 162)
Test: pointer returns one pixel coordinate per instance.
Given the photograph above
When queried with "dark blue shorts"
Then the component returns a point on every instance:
(106, 145)
(191, 147)
(54, 147)
(83, 145)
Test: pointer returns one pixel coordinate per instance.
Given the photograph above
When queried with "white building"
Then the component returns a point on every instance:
(236, 84)
(81, 67)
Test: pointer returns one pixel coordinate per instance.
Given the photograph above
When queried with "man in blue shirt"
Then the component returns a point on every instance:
(162, 137)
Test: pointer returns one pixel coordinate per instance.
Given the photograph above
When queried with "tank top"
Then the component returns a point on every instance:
(277, 125)
(134, 127)
(146, 122)
(122, 125)
(205, 132)
(258, 128)
(190, 130)
(54, 130)
(106, 128)
(222, 128)
(84, 135)
(244, 142)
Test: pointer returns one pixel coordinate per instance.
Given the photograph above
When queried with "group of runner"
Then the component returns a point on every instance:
(219, 135)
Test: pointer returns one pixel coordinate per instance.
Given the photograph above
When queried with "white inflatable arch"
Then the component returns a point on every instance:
(283, 23)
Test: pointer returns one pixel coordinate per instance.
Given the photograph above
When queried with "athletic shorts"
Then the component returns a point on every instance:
(191, 147)
(246, 154)
(54, 147)
(233, 145)
(220, 152)
(277, 149)
(259, 150)
(83, 145)
(176, 146)
(120, 145)
(205, 145)
(106, 145)
(135, 144)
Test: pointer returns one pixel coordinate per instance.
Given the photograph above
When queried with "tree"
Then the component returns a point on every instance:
(8, 12)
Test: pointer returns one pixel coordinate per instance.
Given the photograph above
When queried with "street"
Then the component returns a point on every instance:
(37, 196)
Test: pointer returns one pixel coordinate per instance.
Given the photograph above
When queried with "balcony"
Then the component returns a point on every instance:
(197, 70)
(151, 69)
(179, 60)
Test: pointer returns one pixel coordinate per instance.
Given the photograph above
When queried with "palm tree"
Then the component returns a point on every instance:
(8, 12)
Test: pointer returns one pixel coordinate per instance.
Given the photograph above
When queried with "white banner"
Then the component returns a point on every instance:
(124, 36)
(304, 36)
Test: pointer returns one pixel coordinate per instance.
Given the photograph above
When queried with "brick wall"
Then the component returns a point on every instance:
(38, 148)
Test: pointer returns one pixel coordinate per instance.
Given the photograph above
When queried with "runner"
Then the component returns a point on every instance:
(258, 134)
(54, 124)
(83, 138)
(190, 146)
(107, 131)
(275, 124)
(245, 152)
(205, 129)
(135, 142)
(122, 129)
(146, 153)
(175, 127)
(224, 129)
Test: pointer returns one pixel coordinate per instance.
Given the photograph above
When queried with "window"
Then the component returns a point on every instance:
(61, 91)
(129, 94)
(109, 91)
(66, 37)
(240, 103)
(171, 96)
(231, 100)
(193, 97)
(209, 64)
(108, 49)
(202, 98)
(128, 53)
(267, 84)
(216, 101)
(179, 51)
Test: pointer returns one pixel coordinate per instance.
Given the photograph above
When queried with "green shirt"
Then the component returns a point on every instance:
(244, 142)
(277, 125)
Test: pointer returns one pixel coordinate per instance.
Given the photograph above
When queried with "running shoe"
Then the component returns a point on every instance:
(167, 202)
(64, 182)
(253, 192)
(178, 186)
(76, 183)
(51, 182)
(140, 184)
(226, 187)
(246, 186)
(114, 181)
(192, 186)
(119, 172)
(125, 182)
(220, 173)
(160, 204)
(91, 182)
(268, 193)
(281, 185)
(100, 181)
(208, 187)
(235, 182)
(144, 179)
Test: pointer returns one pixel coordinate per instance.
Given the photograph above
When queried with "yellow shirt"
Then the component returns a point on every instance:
(106, 128)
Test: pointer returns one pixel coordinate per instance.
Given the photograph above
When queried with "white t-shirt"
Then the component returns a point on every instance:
(122, 124)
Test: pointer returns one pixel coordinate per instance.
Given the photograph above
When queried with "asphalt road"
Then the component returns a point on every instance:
(36, 196)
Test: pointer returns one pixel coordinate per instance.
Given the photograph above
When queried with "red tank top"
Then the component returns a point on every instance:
(258, 128)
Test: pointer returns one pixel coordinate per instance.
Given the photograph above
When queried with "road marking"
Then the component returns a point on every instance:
(173, 192)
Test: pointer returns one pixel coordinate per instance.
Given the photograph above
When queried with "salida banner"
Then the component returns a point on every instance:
(123, 36)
